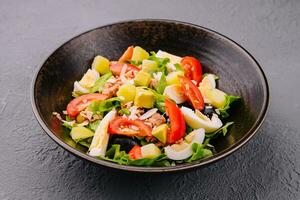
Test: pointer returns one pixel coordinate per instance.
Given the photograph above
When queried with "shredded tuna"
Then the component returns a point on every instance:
(111, 89)
(87, 114)
(129, 75)
(156, 119)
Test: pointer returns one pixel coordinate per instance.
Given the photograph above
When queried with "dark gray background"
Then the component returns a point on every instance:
(32, 166)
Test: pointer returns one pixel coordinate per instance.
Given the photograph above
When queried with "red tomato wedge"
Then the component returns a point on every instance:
(192, 68)
(176, 120)
(192, 92)
(126, 55)
(123, 126)
(116, 68)
(135, 153)
(80, 103)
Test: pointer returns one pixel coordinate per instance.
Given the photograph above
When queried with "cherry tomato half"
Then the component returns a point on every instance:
(176, 120)
(123, 126)
(135, 153)
(192, 68)
(192, 92)
(80, 103)
(116, 68)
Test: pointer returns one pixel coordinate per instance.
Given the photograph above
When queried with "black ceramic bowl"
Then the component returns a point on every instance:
(240, 75)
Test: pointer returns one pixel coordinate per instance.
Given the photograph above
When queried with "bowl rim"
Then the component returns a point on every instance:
(218, 156)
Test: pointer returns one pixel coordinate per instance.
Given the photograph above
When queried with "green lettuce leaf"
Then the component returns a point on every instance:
(85, 143)
(199, 152)
(68, 126)
(160, 160)
(229, 100)
(105, 106)
(178, 67)
(135, 63)
(160, 87)
(115, 155)
(159, 101)
(93, 125)
(161, 62)
(98, 86)
(124, 111)
(223, 130)
(121, 157)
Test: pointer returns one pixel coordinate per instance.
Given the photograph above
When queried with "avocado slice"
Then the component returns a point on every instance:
(144, 98)
(160, 133)
(80, 133)
(150, 151)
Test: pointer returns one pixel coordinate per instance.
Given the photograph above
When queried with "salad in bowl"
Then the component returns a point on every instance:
(147, 109)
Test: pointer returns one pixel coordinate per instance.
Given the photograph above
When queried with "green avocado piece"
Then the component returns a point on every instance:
(80, 133)
(160, 133)
(144, 98)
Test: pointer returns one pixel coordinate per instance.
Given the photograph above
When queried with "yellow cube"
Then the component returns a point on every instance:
(101, 64)
(142, 79)
(144, 98)
(127, 91)
(139, 54)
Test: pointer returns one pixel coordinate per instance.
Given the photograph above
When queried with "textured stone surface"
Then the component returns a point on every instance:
(32, 166)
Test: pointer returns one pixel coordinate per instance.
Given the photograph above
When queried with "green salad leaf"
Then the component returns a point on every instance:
(93, 125)
(98, 86)
(124, 111)
(159, 101)
(68, 126)
(161, 62)
(223, 130)
(158, 161)
(178, 67)
(162, 84)
(135, 63)
(229, 100)
(115, 155)
(121, 157)
(85, 143)
(105, 106)
(199, 152)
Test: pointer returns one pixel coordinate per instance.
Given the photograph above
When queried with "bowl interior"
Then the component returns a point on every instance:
(239, 74)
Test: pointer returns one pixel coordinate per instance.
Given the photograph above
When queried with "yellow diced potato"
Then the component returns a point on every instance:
(127, 92)
(139, 54)
(101, 64)
(142, 78)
